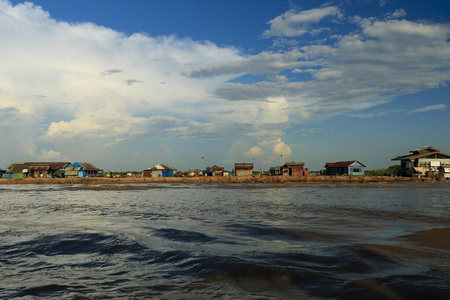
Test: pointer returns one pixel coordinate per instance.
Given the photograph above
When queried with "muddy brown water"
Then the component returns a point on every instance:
(232, 241)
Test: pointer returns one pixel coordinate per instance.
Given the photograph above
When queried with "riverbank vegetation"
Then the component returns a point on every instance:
(391, 171)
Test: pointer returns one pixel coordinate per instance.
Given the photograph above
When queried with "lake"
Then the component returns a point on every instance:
(228, 241)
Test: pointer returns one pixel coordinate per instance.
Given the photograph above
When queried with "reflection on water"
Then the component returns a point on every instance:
(244, 241)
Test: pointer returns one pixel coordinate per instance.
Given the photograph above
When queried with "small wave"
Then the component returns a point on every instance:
(438, 238)
(183, 235)
(267, 232)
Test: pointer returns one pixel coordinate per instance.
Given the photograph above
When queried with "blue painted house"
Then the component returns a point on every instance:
(2, 172)
(352, 167)
(87, 169)
(159, 171)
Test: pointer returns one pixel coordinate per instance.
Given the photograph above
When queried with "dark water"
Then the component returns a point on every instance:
(291, 241)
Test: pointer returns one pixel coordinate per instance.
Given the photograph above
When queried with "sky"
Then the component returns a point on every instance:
(126, 84)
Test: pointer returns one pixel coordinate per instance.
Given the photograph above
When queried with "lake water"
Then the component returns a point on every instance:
(236, 241)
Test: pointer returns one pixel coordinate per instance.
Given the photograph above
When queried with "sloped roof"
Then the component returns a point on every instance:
(294, 163)
(39, 168)
(16, 168)
(88, 166)
(243, 165)
(73, 168)
(427, 148)
(162, 167)
(36, 166)
(421, 153)
(342, 164)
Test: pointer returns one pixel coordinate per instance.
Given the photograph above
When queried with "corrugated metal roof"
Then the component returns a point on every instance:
(39, 168)
(428, 148)
(162, 167)
(88, 166)
(15, 168)
(294, 163)
(243, 166)
(36, 166)
(420, 153)
(73, 169)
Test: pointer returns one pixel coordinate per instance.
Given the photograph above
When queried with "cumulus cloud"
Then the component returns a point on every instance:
(17, 132)
(67, 86)
(384, 59)
(83, 73)
(49, 155)
(268, 151)
(278, 149)
(254, 151)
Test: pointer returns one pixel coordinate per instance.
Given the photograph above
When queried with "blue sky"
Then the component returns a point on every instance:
(124, 83)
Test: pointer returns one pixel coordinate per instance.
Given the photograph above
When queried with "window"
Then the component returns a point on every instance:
(355, 170)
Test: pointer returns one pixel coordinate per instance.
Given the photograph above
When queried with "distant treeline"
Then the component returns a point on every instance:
(391, 171)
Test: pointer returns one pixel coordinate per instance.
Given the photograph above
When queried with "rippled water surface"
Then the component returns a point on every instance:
(249, 241)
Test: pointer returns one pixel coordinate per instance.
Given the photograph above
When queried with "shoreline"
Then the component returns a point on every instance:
(228, 179)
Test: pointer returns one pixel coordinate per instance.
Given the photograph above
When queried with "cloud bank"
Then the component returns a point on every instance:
(69, 88)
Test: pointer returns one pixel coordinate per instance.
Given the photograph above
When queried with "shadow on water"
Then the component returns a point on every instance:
(92, 263)
(194, 243)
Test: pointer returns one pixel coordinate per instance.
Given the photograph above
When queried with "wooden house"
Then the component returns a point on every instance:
(294, 169)
(87, 169)
(427, 161)
(159, 171)
(71, 171)
(243, 169)
(194, 173)
(214, 171)
(351, 167)
(147, 173)
(275, 171)
(35, 169)
(2, 172)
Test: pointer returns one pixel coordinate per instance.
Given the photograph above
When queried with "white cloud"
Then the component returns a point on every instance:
(398, 13)
(278, 149)
(279, 78)
(49, 155)
(68, 86)
(362, 69)
(260, 64)
(429, 108)
(294, 24)
(254, 151)
(96, 83)
(16, 132)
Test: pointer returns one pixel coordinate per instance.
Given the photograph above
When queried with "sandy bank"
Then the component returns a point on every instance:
(230, 179)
